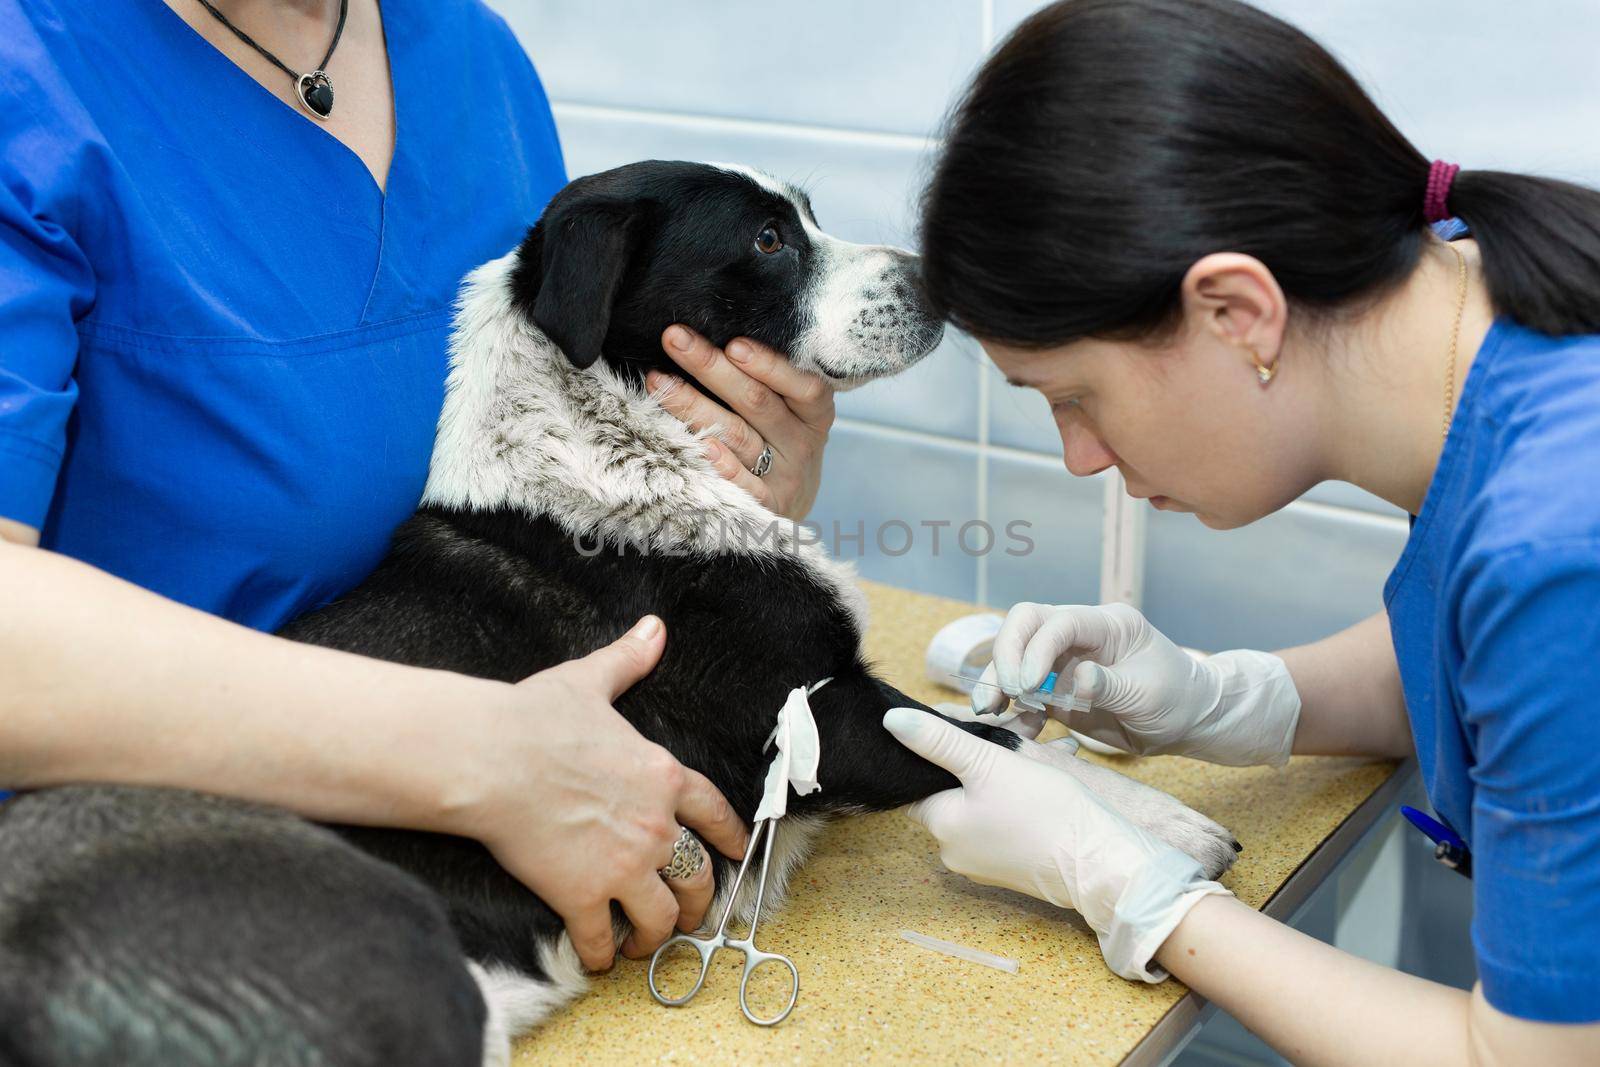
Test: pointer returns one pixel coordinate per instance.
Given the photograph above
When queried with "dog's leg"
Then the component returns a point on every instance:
(862, 761)
(1148, 808)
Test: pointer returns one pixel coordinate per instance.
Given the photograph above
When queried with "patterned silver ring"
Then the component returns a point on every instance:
(687, 858)
(763, 462)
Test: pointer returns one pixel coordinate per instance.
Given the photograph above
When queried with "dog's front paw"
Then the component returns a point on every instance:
(1209, 842)
(1158, 813)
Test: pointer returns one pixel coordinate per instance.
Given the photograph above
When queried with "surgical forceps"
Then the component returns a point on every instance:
(753, 957)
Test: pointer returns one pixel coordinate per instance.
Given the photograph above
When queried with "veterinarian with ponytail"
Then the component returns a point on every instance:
(1185, 224)
(225, 295)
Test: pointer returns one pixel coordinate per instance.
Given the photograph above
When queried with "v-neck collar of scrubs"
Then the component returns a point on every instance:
(236, 73)
(357, 194)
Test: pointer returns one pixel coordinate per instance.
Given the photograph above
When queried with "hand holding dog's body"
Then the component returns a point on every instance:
(584, 810)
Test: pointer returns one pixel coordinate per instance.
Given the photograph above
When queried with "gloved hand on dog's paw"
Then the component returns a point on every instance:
(1019, 822)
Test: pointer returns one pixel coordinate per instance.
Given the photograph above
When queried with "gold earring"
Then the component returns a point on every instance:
(1264, 373)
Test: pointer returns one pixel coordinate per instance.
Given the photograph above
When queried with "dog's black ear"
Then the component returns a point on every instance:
(586, 252)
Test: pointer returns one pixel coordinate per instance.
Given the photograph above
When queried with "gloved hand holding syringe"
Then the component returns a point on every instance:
(1106, 673)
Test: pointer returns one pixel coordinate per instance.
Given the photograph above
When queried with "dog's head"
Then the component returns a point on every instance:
(619, 256)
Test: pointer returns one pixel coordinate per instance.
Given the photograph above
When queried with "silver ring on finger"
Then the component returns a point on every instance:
(688, 857)
(763, 462)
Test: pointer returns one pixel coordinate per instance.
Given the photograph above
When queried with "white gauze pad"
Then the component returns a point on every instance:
(799, 754)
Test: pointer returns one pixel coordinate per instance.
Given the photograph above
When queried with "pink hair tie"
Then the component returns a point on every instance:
(1435, 202)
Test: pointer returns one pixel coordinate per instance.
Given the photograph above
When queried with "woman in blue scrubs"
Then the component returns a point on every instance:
(1187, 227)
(223, 325)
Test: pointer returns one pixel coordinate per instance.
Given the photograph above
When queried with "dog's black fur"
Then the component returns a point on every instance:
(616, 257)
(164, 928)
(741, 634)
(143, 926)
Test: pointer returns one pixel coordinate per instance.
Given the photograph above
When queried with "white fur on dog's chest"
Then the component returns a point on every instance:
(522, 428)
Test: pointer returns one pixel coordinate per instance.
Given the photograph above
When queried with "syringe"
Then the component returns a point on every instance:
(1044, 696)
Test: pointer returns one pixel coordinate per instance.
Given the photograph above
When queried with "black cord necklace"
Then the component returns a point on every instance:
(314, 89)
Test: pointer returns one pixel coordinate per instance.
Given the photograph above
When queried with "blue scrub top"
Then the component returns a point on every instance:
(1495, 611)
(222, 348)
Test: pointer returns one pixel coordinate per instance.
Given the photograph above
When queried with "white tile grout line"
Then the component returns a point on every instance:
(944, 440)
(986, 39)
(983, 496)
(983, 471)
(904, 433)
(1013, 452)
(759, 127)
(1122, 544)
(901, 433)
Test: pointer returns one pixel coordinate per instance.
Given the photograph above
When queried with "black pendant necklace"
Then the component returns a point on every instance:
(314, 89)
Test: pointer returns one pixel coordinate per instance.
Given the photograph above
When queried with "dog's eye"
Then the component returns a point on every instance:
(768, 241)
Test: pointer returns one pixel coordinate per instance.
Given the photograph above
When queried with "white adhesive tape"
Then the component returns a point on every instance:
(799, 755)
(958, 653)
(966, 642)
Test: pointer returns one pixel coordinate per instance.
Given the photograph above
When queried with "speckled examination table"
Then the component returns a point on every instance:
(867, 995)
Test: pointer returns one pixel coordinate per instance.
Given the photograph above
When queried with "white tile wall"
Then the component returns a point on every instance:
(1062, 514)
(885, 65)
(1292, 577)
(843, 96)
(893, 503)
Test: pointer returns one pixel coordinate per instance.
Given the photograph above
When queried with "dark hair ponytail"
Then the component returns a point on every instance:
(1541, 247)
(1109, 144)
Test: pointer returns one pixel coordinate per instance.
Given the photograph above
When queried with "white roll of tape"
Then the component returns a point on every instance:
(961, 649)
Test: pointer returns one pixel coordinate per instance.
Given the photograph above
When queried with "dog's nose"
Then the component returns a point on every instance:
(905, 264)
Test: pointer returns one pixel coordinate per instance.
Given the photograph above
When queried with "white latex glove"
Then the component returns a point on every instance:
(1019, 822)
(1145, 694)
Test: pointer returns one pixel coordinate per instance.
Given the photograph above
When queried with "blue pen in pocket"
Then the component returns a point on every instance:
(1448, 846)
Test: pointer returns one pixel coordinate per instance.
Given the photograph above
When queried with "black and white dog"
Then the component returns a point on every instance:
(160, 927)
